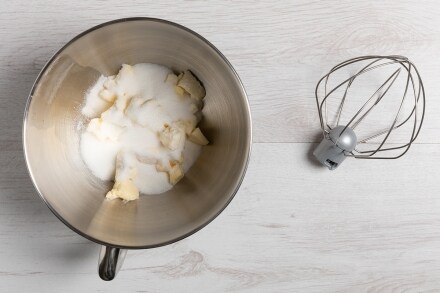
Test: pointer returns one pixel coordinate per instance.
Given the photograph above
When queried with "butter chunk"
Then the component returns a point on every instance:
(180, 91)
(191, 85)
(126, 172)
(172, 137)
(125, 190)
(186, 125)
(172, 78)
(197, 137)
(174, 169)
(176, 172)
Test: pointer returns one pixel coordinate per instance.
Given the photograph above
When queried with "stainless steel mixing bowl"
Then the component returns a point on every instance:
(52, 124)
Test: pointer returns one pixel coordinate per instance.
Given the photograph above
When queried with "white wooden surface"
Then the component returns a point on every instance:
(371, 226)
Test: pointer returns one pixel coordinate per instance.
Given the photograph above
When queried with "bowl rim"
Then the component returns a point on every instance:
(49, 63)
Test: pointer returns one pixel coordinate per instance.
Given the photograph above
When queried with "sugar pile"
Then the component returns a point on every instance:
(143, 130)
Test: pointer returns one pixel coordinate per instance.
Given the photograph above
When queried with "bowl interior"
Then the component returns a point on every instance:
(52, 132)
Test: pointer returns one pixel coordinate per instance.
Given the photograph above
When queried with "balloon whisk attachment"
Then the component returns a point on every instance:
(370, 107)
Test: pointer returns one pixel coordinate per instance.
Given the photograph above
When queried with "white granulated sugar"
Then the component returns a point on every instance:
(141, 128)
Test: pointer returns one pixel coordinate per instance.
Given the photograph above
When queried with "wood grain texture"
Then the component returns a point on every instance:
(293, 227)
(371, 226)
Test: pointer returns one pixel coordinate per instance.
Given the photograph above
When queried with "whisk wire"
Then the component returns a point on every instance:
(380, 95)
(395, 118)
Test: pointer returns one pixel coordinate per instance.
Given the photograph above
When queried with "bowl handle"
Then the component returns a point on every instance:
(110, 261)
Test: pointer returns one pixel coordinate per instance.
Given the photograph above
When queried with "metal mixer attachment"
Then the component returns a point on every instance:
(370, 107)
